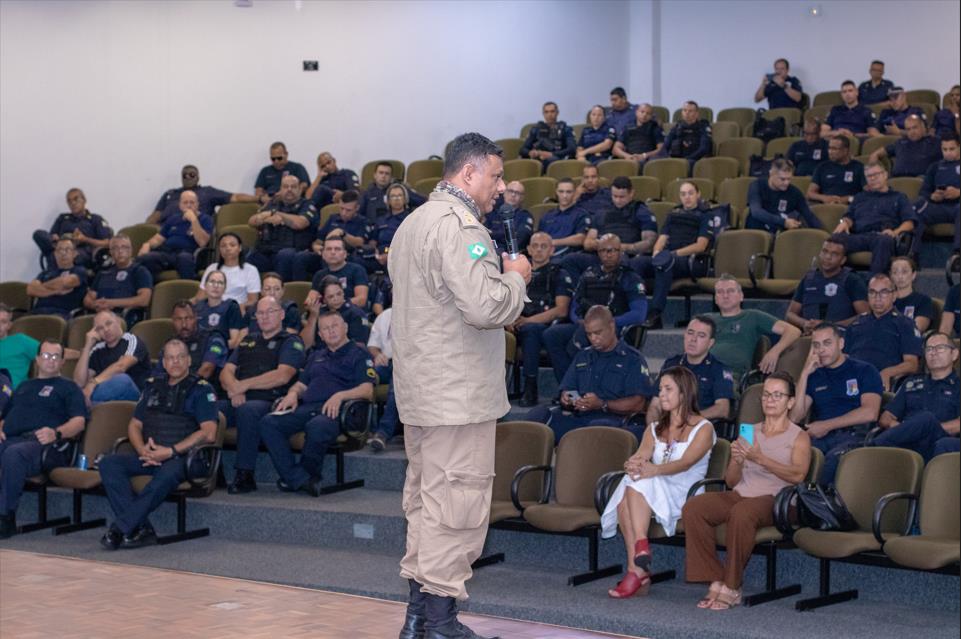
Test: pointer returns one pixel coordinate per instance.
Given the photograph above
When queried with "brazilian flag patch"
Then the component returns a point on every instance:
(476, 251)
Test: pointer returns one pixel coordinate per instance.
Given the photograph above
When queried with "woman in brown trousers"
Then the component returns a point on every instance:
(779, 457)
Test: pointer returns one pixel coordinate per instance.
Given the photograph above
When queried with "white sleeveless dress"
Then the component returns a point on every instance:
(665, 494)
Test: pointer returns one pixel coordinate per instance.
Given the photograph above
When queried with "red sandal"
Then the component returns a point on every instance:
(642, 555)
(631, 585)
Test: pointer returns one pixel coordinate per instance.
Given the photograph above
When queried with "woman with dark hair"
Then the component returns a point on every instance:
(779, 456)
(333, 298)
(913, 304)
(216, 313)
(243, 279)
(673, 455)
(597, 139)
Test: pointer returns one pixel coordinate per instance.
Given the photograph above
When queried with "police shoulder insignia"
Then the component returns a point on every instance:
(469, 219)
(640, 287)
(211, 397)
(7, 390)
(298, 345)
(371, 373)
(216, 349)
(476, 250)
(369, 362)
(728, 375)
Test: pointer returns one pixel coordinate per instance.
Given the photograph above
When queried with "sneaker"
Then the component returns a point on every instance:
(377, 442)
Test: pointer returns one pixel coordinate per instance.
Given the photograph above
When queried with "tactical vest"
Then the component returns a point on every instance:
(687, 141)
(256, 356)
(271, 238)
(640, 139)
(541, 290)
(683, 226)
(600, 287)
(550, 138)
(816, 303)
(164, 418)
(621, 223)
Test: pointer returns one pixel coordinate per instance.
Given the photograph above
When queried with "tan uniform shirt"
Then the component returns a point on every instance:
(451, 303)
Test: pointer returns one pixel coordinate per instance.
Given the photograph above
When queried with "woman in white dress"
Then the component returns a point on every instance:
(673, 455)
(243, 279)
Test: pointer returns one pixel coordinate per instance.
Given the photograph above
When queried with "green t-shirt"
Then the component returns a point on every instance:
(16, 353)
(737, 336)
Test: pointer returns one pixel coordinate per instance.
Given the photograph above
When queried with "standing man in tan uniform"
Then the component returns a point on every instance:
(451, 304)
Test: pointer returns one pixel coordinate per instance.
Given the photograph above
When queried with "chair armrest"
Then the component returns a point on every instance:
(516, 484)
(602, 489)
(752, 265)
(637, 343)
(874, 432)
(198, 482)
(349, 408)
(902, 244)
(879, 512)
(707, 257)
(120, 441)
(950, 267)
(704, 483)
(724, 427)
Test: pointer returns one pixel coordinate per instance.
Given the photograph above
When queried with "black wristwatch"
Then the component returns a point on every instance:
(173, 453)
(57, 435)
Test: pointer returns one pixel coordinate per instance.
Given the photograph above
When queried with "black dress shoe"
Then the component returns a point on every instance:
(529, 398)
(112, 539)
(8, 526)
(243, 482)
(310, 487)
(142, 536)
(653, 322)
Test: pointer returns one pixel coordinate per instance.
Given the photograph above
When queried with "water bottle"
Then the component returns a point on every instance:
(82, 462)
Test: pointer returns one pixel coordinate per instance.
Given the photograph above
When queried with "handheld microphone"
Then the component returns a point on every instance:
(507, 216)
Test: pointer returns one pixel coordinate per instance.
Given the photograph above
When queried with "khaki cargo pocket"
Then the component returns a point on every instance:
(466, 501)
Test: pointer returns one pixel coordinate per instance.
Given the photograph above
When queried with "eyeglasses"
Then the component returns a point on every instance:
(278, 158)
(884, 292)
(939, 348)
(49, 356)
(188, 174)
(776, 396)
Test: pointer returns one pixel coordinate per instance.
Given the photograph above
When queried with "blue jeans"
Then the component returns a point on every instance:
(130, 509)
(321, 431)
(246, 419)
(919, 432)
(20, 457)
(562, 421)
(531, 340)
(119, 388)
(833, 445)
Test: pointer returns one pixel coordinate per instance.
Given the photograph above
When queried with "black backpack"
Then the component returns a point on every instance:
(766, 129)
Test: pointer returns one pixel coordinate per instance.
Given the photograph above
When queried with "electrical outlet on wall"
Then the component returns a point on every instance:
(311, 65)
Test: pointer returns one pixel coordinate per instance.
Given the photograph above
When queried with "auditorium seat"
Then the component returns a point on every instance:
(910, 186)
(870, 145)
(703, 113)
(538, 190)
(234, 213)
(819, 113)
(511, 147)
(538, 210)
(421, 169)
(829, 214)
(611, 169)
(40, 327)
(154, 333)
(793, 256)
(827, 98)
(779, 146)
(367, 173)
(646, 188)
(521, 169)
(791, 115)
(661, 210)
(721, 131)
(166, 294)
(917, 97)
(662, 115)
(741, 149)
(138, 234)
(246, 233)
(14, 296)
(425, 186)
(742, 116)
(297, 292)
(716, 169)
(565, 169)
(802, 182)
(732, 255)
(667, 169)
(734, 193)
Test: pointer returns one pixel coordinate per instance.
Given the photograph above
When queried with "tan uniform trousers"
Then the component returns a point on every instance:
(447, 499)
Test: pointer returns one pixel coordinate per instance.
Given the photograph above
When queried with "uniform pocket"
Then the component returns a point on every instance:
(466, 502)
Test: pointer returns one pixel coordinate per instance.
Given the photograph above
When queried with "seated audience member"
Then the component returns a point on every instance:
(938, 200)
(621, 112)
(948, 120)
(875, 218)
(611, 283)
(339, 181)
(347, 225)
(37, 428)
(113, 365)
(777, 205)
(286, 225)
(568, 223)
(843, 395)
(333, 299)
(914, 152)
(883, 337)
(178, 239)
(688, 230)
(207, 349)
(550, 291)
(839, 179)
(382, 295)
(782, 91)
(892, 120)
(950, 318)
(779, 457)
(337, 371)
(217, 314)
(398, 208)
(715, 382)
(60, 289)
(925, 408)
(831, 292)
(606, 381)
(17, 350)
(6, 388)
(178, 412)
(550, 139)
(373, 201)
(270, 179)
(632, 222)
(808, 152)
(690, 138)
(738, 330)
(523, 220)
(914, 305)
(597, 138)
(673, 455)
(271, 285)
(382, 351)
(876, 90)
(124, 287)
(642, 139)
(259, 372)
(208, 197)
(851, 118)
(352, 277)
(89, 231)
(589, 194)
(243, 278)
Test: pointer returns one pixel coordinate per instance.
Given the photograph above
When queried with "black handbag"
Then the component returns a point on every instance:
(817, 507)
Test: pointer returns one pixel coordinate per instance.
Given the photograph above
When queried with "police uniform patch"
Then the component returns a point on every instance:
(728, 375)
(849, 176)
(476, 251)
(45, 391)
(469, 219)
(640, 288)
(852, 387)
(211, 397)
(816, 154)
(371, 373)
(7, 390)
(782, 205)
(831, 289)
(272, 344)
(216, 349)
(121, 276)
(298, 346)
(213, 319)
(909, 311)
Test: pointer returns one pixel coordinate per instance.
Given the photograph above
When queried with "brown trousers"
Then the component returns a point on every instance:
(447, 500)
(743, 516)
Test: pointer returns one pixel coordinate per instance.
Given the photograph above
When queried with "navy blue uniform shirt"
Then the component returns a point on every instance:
(914, 158)
(924, 393)
(620, 120)
(557, 139)
(115, 283)
(714, 380)
(952, 304)
(68, 301)
(838, 391)
(642, 138)
(917, 304)
(350, 275)
(840, 179)
(560, 224)
(595, 202)
(620, 372)
(357, 226)
(208, 198)
(869, 94)
(38, 403)
(590, 137)
(177, 234)
(882, 341)
(769, 208)
(341, 180)
(90, 224)
(327, 372)
(940, 175)
(221, 318)
(291, 351)
(897, 118)
(689, 141)
(806, 157)
(874, 211)
(944, 122)
(523, 228)
(856, 119)
(777, 97)
(830, 298)
(269, 178)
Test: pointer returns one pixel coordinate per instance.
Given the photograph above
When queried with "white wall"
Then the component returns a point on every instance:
(115, 97)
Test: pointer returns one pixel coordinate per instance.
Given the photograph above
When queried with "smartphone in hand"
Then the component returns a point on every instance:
(747, 433)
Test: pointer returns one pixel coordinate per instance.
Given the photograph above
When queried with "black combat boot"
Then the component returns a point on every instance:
(530, 392)
(416, 613)
(442, 620)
